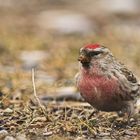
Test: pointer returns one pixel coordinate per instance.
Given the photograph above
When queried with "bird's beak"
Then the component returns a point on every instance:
(84, 59)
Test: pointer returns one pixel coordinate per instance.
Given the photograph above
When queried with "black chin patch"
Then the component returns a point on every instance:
(86, 64)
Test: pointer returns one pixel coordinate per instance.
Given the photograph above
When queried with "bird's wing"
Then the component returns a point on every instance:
(129, 75)
(128, 83)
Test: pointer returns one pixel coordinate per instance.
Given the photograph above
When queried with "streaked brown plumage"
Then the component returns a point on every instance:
(106, 83)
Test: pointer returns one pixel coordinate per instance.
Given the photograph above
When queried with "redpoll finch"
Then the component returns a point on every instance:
(104, 82)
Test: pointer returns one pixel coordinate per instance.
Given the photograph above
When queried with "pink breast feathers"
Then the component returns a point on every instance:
(98, 88)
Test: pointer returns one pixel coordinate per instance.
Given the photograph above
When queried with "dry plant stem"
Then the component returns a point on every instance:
(90, 128)
(35, 95)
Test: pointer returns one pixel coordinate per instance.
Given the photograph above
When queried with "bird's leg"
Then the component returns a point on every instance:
(130, 111)
(127, 111)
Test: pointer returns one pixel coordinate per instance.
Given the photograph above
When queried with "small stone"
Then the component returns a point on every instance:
(40, 119)
(80, 138)
(3, 133)
(9, 138)
(8, 110)
(48, 133)
(21, 137)
(130, 133)
(103, 134)
(132, 119)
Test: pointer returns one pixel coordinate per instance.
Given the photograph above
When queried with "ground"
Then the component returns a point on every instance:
(20, 114)
(53, 55)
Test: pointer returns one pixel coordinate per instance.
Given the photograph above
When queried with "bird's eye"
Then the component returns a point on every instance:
(94, 53)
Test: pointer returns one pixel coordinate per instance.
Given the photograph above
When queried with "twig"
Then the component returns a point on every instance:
(90, 128)
(35, 94)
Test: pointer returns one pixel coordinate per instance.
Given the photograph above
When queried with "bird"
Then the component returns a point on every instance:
(106, 83)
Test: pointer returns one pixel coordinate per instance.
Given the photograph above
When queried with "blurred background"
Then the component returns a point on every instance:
(47, 35)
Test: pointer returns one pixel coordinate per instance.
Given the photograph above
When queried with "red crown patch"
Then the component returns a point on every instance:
(92, 46)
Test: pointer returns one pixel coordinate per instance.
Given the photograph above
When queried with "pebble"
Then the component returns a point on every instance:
(130, 133)
(9, 138)
(39, 119)
(48, 133)
(3, 133)
(103, 134)
(21, 137)
(8, 110)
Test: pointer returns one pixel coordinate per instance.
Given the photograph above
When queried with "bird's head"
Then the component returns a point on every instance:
(91, 53)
